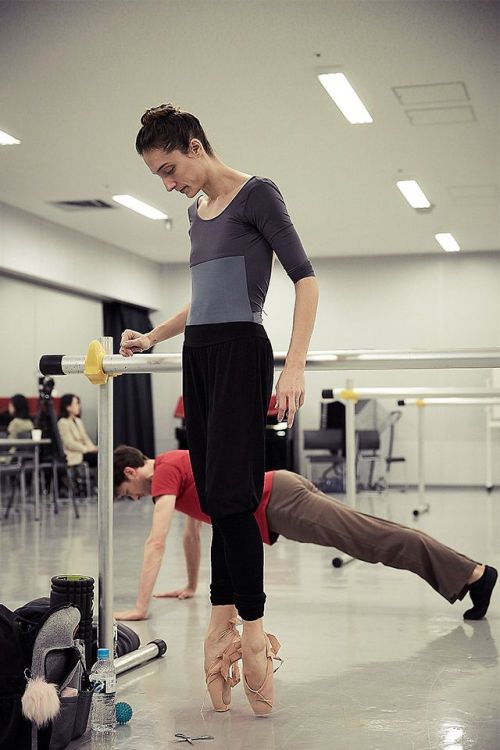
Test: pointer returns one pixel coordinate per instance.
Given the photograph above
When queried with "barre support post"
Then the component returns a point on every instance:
(105, 506)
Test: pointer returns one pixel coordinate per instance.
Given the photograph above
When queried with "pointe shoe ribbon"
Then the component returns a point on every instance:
(224, 672)
(226, 665)
(262, 700)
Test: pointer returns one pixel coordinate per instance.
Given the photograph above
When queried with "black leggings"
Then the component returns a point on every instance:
(227, 383)
(237, 557)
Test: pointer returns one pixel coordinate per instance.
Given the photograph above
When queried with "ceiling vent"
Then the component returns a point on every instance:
(84, 205)
(441, 115)
(431, 93)
(449, 102)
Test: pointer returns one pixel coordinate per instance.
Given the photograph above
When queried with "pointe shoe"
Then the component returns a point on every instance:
(262, 700)
(223, 672)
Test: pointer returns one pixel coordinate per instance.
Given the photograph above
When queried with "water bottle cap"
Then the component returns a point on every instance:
(103, 653)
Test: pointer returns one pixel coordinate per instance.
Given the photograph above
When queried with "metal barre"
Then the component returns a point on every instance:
(413, 392)
(364, 359)
(420, 397)
(100, 362)
(452, 401)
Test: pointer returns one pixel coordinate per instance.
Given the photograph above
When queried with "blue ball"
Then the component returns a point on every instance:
(123, 713)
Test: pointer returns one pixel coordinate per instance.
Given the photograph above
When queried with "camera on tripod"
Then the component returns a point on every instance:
(46, 419)
(45, 387)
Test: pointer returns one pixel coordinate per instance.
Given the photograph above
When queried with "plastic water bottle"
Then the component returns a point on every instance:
(103, 681)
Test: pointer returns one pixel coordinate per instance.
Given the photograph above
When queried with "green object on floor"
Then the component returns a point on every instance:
(123, 712)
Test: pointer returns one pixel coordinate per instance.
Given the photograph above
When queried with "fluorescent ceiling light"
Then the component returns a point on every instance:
(413, 193)
(447, 242)
(141, 208)
(346, 99)
(7, 140)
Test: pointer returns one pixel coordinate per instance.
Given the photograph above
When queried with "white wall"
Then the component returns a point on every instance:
(35, 321)
(49, 253)
(167, 387)
(52, 304)
(443, 302)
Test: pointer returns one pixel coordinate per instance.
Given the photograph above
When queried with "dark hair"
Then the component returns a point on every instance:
(170, 129)
(65, 402)
(20, 404)
(123, 456)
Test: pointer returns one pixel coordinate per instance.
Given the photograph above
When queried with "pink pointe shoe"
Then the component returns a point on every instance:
(223, 673)
(262, 700)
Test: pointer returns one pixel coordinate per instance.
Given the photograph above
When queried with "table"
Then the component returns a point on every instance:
(35, 444)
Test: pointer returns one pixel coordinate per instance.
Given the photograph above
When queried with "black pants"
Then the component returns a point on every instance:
(227, 383)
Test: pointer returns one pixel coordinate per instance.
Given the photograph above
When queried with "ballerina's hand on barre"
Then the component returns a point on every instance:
(133, 342)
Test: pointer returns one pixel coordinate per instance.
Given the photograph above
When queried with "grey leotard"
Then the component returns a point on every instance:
(231, 255)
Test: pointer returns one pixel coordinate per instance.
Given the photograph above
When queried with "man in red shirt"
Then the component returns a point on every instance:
(291, 506)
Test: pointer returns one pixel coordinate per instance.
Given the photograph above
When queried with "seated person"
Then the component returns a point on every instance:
(78, 447)
(293, 507)
(19, 422)
(20, 419)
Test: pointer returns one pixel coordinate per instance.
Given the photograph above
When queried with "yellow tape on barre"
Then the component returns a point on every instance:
(93, 364)
(420, 402)
(348, 394)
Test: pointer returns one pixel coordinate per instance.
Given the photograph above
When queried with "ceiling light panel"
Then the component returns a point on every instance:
(8, 140)
(345, 97)
(413, 193)
(447, 242)
(139, 207)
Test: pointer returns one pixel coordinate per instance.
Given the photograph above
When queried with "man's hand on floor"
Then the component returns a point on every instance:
(185, 593)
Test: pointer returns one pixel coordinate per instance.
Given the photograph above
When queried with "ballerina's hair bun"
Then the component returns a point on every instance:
(169, 128)
(154, 114)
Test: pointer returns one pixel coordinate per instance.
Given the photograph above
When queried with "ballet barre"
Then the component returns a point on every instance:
(100, 365)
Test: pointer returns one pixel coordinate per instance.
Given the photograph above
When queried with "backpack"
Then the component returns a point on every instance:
(43, 681)
(15, 729)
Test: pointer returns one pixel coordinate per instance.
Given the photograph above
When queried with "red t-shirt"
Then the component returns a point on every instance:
(173, 476)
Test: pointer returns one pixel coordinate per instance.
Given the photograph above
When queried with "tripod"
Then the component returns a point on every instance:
(53, 456)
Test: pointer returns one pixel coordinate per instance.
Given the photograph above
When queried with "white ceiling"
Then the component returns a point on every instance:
(76, 77)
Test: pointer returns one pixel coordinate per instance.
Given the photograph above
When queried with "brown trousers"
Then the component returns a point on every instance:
(298, 510)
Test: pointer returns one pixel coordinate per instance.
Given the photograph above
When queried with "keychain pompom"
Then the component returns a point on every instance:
(40, 701)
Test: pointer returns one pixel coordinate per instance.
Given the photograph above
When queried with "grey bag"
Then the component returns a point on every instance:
(56, 664)
(72, 719)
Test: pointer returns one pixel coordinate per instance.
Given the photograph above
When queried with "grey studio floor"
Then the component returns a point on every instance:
(374, 658)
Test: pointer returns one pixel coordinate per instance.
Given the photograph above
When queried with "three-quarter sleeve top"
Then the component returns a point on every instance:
(231, 254)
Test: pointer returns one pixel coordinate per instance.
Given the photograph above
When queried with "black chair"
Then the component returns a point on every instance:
(54, 463)
(12, 470)
(332, 441)
(368, 452)
(394, 417)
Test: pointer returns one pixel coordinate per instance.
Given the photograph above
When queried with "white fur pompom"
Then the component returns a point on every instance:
(40, 701)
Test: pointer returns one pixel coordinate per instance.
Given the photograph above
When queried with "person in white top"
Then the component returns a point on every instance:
(19, 411)
(77, 445)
